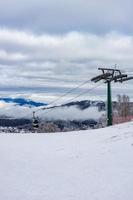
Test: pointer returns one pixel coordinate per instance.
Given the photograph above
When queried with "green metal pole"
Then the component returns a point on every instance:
(109, 104)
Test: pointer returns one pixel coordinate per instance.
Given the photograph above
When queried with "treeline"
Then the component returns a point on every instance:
(13, 122)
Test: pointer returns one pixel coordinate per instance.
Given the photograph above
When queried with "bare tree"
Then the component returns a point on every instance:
(123, 105)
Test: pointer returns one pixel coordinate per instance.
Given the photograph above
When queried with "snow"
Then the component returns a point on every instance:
(93, 164)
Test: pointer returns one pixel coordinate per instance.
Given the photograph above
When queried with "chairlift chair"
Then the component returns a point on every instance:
(35, 121)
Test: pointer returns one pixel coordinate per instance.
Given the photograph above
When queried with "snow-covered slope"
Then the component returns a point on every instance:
(85, 165)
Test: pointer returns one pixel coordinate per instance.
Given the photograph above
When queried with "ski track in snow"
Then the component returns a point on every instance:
(84, 165)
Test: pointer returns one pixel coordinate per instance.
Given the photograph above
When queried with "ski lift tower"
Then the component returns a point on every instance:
(108, 75)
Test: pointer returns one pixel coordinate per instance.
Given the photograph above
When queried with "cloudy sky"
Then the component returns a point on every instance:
(50, 46)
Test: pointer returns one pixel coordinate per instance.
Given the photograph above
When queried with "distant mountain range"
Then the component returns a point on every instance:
(82, 105)
(62, 124)
(22, 102)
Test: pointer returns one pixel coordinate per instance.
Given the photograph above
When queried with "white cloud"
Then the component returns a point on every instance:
(64, 113)
(72, 113)
(15, 111)
(67, 15)
(59, 61)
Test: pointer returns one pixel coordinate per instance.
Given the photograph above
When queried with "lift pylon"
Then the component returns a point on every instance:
(109, 75)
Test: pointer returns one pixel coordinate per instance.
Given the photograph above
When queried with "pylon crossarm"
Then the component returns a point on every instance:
(127, 79)
(97, 78)
(102, 76)
(119, 78)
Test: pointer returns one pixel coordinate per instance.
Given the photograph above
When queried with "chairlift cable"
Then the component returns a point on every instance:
(65, 94)
(91, 89)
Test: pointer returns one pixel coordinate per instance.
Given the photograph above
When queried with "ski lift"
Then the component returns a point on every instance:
(35, 121)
